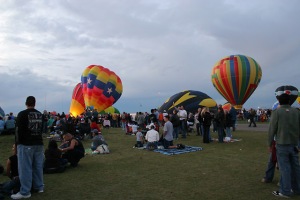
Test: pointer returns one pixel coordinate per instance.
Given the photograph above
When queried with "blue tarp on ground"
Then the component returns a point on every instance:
(170, 152)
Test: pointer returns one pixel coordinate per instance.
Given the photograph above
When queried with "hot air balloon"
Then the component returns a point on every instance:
(275, 105)
(101, 87)
(191, 100)
(77, 106)
(226, 106)
(110, 110)
(236, 77)
(298, 99)
(290, 91)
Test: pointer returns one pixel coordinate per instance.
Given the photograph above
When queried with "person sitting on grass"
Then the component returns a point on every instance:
(54, 163)
(134, 127)
(139, 138)
(97, 140)
(72, 149)
(12, 186)
(152, 138)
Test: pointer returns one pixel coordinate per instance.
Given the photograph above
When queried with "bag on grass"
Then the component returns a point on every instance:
(103, 149)
(180, 146)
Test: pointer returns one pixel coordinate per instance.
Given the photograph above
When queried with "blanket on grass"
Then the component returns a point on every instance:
(170, 152)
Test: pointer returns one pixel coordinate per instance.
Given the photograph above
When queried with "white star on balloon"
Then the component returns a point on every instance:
(89, 81)
(109, 90)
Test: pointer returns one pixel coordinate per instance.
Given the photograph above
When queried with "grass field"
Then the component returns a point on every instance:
(220, 171)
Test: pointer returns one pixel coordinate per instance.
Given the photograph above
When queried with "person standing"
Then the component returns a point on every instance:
(285, 128)
(233, 114)
(182, 114)
(251, 116)
(199, 122)
(220, 122)
(176, 124)
(30, 150)
(206, 118)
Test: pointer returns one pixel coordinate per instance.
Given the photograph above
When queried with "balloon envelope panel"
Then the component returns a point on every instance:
(77, 106)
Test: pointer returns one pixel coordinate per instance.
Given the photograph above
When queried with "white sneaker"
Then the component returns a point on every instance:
(278, 194)
(20, 196)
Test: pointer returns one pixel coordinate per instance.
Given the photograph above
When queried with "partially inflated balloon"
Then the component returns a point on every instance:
(191, 100)
(226, 106)
(110, 110)
(236, 77)
(101, 87)
(77, 104)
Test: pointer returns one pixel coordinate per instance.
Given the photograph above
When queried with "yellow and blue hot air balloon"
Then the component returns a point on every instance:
(101, 87)
(236, 77)
(191, 100)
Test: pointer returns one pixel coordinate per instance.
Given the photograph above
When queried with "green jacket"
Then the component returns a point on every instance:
(285, 126)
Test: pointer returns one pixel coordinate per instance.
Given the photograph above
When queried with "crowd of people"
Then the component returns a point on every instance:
(152, 130)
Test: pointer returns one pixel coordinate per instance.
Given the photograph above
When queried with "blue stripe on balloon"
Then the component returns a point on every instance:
(93, 82)
(83, 79)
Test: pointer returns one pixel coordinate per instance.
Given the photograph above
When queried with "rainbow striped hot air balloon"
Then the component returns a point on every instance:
(77, 104)
(101, 87)
(236, 77)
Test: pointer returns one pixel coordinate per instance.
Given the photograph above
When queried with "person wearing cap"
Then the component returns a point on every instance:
(84, 128)
(30, 150)
(152, 137)
(285, 128)
(97, 140)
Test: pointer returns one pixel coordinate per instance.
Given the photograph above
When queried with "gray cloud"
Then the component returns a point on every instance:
(158, 48)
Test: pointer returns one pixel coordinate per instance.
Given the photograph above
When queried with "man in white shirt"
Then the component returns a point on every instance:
(152, 137)
(182, 114)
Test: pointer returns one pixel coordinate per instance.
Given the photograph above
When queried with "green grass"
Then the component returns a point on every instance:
(220, 171)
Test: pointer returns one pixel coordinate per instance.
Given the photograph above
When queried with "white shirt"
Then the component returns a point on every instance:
(182, 114)
(152, 136)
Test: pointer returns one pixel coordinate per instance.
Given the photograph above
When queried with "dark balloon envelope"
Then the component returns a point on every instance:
(191, 100)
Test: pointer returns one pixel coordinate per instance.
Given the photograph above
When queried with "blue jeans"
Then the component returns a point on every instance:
(175, 132)
(183, 127)
(228, 132)
(123, 124)
(220, 134)
(270, 169)
(288, 160)
(199, 128)
(30, 167)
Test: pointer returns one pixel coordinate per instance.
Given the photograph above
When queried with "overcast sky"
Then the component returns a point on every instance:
(158, 48)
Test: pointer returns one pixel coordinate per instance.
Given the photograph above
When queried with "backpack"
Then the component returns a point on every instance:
(103, 149)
